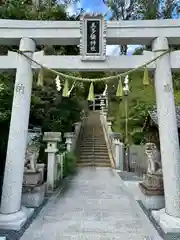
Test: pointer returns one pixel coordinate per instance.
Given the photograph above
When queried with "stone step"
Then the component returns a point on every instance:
(89, 151)
(93, 147)
(93, 164)
(93, 139)
(88, 157)
(96, 146)
(95, 128)
(90, 132)
(93, 161)
(90, 136)
(94, 156)
(90, 146)
(96, 141)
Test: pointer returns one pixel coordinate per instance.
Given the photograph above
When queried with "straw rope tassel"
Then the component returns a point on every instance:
(146, 77)
(91, 92)
(72, 87)
(119, 92)
(40, 81)
(66, 89)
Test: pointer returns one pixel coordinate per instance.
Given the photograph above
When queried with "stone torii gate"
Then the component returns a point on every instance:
(28, 34)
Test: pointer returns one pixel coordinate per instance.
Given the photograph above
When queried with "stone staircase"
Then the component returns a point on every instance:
(93, 149)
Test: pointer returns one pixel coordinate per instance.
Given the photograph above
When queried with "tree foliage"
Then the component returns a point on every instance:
(142, 9)
(140, 99)
(48, 109)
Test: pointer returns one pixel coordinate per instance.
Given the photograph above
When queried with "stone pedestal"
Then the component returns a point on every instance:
(32, 178)
(169, 224)
(12, 215)
(33, 196)
(40, 168)
(33, 190)
(15, 221)
(152, 191)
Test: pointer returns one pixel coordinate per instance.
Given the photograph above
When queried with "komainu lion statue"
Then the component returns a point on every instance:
(153, 159)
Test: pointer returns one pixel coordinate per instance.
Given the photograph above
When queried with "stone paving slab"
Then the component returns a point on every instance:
(94, 205)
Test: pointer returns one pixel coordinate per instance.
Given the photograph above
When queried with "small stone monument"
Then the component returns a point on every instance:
(33, 182)
(152, 185)
(52, 139)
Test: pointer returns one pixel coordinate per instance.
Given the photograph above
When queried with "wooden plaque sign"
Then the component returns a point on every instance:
(93, 37)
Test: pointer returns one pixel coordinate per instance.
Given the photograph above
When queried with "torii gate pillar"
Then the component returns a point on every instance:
(12, 216)
(168, 132)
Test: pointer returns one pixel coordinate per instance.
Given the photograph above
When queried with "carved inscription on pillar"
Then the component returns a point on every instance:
(20, 88)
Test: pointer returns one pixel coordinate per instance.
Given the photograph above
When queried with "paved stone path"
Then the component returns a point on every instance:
(95, 205)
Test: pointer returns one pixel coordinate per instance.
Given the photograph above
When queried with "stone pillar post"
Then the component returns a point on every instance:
(168, 133)
(51, 172)
(52, 138)
(102, 104)
(121, 156)
(119, 153)
(93, 104)
(77, 127)
(69, 140)
(116, 144)
(62, 156)
(109, 127)
(11, 214)
(105, 116)
(107, 102)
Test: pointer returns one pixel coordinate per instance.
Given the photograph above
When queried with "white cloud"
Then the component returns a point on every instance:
(73, 8)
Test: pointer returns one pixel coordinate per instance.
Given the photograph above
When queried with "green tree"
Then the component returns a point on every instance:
(156, 9)
(122, 12)
(48, 109)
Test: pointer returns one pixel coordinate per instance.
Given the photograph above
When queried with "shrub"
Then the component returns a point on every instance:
(69, 164)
